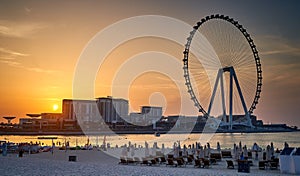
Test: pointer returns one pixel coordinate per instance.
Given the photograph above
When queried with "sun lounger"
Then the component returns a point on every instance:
(230, 164)
(213, 161)
(180, 162)
(216, 156)
(262, 165)
(154, 161)
(190, 160)
(130, 160)
(206, 163)
(137, 160)
(122, 160)
(145, 161)
(273, 165)
(197, 163)
(226, 154)
(163, 160)
(170, 162)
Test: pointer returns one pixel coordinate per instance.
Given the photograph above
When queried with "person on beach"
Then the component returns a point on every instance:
(242, 156)
(286, 145)
(218, 147)
(255, 149)
(268, 153)
(272, 150)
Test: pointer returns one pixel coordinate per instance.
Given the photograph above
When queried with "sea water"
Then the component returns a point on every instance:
(226, 140)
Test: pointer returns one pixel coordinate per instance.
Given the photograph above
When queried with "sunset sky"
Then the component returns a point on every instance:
(41, 42)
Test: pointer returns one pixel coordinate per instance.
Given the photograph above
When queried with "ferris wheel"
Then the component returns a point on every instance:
(222, 70)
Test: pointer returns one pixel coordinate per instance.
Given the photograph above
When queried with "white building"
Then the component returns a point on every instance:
(113, 110)
(149, 115)
(83, 110)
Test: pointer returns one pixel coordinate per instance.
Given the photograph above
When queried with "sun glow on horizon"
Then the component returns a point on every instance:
(55, 107)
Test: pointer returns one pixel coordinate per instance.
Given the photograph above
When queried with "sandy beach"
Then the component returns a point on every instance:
(95, 162)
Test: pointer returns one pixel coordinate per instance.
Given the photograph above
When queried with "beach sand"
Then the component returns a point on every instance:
(94, 162)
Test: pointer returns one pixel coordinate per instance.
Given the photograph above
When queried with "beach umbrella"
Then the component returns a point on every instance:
(234, 149)
(268, 153)
(236, 154)
(205, 151)
(146, 149)
(132, 152)
(154, 149)
(245, 151)
(201, 152)
(240, 147)
(184, 150)
(163, 148)
(123, 151)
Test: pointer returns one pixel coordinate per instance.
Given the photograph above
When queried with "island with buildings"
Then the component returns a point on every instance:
(108, 114)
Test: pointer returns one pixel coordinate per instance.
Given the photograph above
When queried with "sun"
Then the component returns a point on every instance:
(55, 107)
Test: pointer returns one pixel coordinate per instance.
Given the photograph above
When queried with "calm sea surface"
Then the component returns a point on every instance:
(226, 140)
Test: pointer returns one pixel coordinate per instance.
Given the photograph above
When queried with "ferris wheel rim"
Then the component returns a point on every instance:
(253, 49)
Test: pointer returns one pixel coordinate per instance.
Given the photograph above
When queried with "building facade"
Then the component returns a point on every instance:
(113, 110)
(83, 110)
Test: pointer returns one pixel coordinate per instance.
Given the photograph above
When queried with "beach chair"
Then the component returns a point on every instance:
(180, 162)
(197, 163)
(170, 156)
(250, 162)
(249, 154)
(137, 160)
(276, 160)
(213, 161)
(273, 165)
(122, 160)
(145, 161)
(170, 162)
(230, 164)
(130, 160)
(206, 163)
(191, 156)
(157, 160)
(154, 161)
(216, 156)
(262, 165)
(190, 160)
(163, 160)
(226, 154)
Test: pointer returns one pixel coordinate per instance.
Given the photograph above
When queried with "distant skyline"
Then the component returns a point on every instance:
(41, 42)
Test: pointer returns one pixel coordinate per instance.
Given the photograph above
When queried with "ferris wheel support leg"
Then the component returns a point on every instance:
(223, 96)
(230, 98)
(241, 97)
(214, 91)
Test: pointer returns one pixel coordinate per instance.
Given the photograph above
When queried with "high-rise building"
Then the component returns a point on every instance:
(113, 110)
(84, 110)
